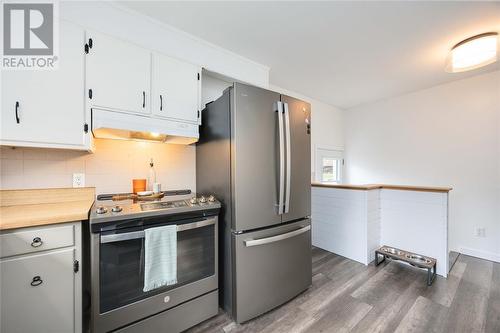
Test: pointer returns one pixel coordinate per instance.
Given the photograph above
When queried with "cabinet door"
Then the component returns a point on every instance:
(37, 293)
(119, 74)
(176, 89)
(50, 103)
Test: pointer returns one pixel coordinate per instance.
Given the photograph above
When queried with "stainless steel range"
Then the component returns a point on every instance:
(116, 257)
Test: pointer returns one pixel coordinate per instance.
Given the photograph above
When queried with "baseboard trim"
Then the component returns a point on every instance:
(491, 256)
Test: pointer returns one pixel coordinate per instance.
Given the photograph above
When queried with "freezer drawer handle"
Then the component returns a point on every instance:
(261, 241)
(140, 234)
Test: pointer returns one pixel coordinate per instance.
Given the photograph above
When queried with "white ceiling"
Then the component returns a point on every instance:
(342, 53)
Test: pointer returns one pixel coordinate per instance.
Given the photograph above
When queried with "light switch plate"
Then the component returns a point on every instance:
(78, 180)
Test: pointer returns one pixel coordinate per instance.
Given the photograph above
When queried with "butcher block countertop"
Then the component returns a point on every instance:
(385, 186)
(29, 208)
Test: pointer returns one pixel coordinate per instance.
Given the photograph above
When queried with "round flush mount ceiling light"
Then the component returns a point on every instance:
(473, 52)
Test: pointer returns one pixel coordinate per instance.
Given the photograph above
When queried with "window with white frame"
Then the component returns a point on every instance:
(329, 165)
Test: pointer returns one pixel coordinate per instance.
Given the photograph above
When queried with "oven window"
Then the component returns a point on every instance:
(122, 266)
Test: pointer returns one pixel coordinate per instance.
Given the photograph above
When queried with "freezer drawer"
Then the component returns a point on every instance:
(272, 266)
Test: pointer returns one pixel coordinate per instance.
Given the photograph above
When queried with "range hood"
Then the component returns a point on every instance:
(124, 126)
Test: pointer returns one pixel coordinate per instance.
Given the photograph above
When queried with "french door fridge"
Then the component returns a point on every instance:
(254, 156)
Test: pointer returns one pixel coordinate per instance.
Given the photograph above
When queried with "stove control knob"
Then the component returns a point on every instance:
(116, 209)
(211, 198)
(101, 210)
(193, 201)
(202, 199)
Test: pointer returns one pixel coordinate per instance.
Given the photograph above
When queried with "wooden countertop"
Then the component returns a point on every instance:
(28, 208)
(384, 186)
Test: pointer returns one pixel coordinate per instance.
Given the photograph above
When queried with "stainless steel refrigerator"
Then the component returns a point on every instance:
(254, 155)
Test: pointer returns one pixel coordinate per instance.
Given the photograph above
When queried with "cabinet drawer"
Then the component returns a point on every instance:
(38, 293)
(33, 240)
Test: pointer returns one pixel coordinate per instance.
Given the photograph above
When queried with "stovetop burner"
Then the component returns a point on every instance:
(174, 202)
(163, 205)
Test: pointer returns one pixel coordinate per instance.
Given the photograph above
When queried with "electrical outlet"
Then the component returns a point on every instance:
(78, 180)
(480, 232)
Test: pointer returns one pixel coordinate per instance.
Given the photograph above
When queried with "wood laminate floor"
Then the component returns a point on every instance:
(349, 297)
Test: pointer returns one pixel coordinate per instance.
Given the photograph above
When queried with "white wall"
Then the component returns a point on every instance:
(326, 120)
(212, 88)
(326, 124)
(447, 135)
(113, 19)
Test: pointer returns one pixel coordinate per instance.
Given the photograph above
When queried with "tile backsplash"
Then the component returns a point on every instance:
(110, 168)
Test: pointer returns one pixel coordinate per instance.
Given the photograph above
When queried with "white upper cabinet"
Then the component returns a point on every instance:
(176, 89)
(47, 108)
(118, 74)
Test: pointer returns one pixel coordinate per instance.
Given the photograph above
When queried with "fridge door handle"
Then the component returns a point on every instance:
(288, 157)
(277, 238)
(279, 110)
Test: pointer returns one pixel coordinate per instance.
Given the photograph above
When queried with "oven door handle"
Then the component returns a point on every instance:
(140, 234)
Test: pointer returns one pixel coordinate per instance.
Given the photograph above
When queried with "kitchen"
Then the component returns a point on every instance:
(226, 127)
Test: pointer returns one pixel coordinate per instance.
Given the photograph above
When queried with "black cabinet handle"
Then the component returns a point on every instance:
(37, 242)
(161, 103)
(143, 99)
(37, 280)
(17, 112)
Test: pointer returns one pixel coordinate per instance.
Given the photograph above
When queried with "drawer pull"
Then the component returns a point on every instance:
(37, 242)
(17, 112)
(37, 280)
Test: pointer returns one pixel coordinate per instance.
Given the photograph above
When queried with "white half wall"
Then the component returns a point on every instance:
(417, 222)
(341, 223)
(326, 124)
(448, 135)
(121, 22)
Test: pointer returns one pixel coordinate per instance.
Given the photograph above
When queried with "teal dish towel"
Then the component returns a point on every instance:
(160, 257)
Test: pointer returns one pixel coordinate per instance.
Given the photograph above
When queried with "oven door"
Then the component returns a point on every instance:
(118, 272)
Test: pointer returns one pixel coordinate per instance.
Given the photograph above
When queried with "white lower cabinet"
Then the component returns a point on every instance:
(41, 292)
